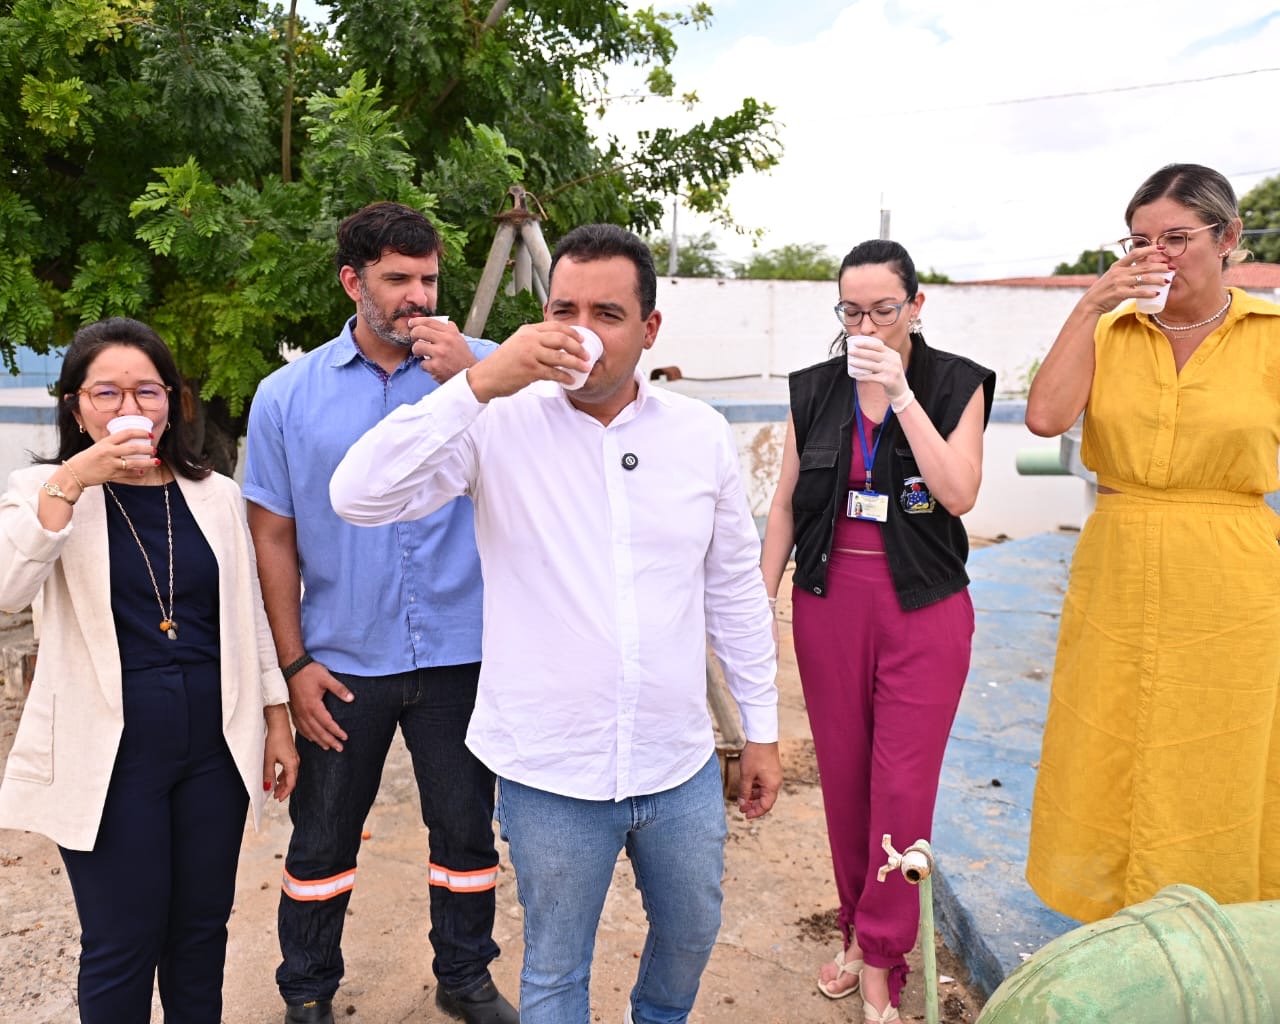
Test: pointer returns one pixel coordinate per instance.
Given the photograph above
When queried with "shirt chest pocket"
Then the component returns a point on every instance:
(816, 482)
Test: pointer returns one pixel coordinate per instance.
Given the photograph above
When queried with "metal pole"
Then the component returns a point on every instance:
(673, 248)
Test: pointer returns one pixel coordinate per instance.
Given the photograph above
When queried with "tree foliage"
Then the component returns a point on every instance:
(187, 161)
(696, 256)
(795, 262)
(1260, 211)
(1091, 261)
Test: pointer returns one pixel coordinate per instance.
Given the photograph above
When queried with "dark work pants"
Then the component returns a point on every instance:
(156, 891)
(336, 790)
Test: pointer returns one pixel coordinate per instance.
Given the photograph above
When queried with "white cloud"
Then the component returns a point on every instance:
(909, 101)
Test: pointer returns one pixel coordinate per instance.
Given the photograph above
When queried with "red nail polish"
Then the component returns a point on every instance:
(266, 787)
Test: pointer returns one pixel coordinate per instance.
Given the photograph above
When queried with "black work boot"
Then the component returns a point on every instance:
(318, 1011)
(483, 1005)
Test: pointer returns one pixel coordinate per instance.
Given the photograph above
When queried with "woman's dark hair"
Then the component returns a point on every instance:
(879, 252)
(1203, 191)
(175, 444)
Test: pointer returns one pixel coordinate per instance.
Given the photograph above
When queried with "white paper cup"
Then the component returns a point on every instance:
(852, 344)
(595, 348)
(1156, 303)
(134, 422)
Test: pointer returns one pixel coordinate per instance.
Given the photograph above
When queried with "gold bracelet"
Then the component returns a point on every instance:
(54, 491)
(74, 475)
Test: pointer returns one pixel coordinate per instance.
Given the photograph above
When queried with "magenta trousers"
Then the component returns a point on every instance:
(882, 686)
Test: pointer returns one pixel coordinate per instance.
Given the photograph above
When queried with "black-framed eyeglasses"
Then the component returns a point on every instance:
(110, 397)
(884, 315)
(1174, 241)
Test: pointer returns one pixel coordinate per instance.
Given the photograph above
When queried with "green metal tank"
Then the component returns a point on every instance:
(1178, 958)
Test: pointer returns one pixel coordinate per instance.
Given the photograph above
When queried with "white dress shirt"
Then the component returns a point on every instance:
(602, 582)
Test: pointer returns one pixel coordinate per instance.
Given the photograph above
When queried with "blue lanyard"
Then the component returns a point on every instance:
(868, 457)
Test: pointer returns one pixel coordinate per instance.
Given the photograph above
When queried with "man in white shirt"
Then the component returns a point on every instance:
(615, 539)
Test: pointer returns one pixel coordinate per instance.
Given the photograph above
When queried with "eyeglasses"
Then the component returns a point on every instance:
(884, 315)
(110, 397)
(1173, 242)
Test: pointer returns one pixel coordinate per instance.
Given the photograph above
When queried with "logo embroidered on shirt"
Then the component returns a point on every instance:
(915, 496)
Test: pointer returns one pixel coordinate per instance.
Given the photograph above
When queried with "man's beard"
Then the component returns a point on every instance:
(384, 326)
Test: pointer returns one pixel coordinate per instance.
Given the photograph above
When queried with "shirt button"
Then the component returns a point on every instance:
(824, 556)
(818, 591)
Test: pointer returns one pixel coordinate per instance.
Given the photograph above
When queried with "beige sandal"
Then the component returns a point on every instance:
(843, 967)
(870, 1015)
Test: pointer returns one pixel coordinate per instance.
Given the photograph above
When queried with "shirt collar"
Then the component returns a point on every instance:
(345, 349)
(1242, 304)
(645, 394)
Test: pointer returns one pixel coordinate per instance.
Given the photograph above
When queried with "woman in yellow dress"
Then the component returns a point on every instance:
(1161, 756)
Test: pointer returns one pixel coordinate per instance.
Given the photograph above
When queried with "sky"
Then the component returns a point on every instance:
(1002, 136)
(935, 111)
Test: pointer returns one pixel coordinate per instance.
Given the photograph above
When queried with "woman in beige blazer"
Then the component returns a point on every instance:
(157, 714)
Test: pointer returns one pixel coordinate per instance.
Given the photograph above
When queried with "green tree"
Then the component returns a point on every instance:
(697, 255)
(931, 276)
(1260, 211)
(1088, 263)
(187, 161)
(807, 262)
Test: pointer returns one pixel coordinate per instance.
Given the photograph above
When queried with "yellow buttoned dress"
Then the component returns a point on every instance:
(1161, 756)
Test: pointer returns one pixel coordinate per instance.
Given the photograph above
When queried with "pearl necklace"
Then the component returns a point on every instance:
(1192, 327)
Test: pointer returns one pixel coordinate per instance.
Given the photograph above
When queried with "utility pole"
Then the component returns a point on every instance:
(884, 218)
(672, 249)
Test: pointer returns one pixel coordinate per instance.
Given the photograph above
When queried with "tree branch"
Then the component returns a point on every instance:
(495, 14)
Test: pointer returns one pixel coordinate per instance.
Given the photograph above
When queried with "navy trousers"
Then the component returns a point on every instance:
(155, 892)
(432, 707)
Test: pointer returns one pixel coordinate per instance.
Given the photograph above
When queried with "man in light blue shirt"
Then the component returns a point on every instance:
(373, 628)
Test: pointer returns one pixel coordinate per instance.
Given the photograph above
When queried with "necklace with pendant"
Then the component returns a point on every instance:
(167, 625)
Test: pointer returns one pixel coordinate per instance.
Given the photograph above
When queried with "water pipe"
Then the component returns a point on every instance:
(916, 865)
(1040, 462)
(1178, 958)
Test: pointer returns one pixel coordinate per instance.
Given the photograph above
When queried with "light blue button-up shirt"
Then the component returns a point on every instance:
(375, 601)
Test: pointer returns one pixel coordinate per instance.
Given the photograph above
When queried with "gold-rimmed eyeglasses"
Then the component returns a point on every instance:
(110, 397)
(884, 315)
(1174, 241)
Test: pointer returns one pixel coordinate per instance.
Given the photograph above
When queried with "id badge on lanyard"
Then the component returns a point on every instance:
(868, 503)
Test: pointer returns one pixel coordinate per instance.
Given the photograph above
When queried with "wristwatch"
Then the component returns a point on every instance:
(54, 491)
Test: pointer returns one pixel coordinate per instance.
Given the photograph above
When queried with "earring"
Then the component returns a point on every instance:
(81, 426)
(915, 326)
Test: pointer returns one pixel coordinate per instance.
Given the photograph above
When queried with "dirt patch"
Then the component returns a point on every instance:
(779, 917)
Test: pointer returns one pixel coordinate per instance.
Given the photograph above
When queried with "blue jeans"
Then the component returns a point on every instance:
(335, 792)
(564, 851)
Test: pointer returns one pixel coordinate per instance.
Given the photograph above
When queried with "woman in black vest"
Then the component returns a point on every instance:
(882, 618)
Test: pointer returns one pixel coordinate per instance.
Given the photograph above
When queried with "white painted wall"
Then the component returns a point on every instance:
(727, 328)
